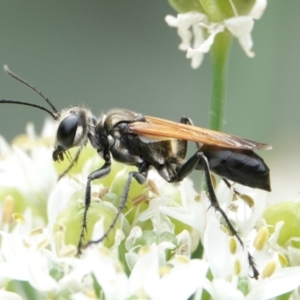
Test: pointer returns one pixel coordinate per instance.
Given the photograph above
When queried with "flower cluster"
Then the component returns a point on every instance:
(198, 29)
(153, 253)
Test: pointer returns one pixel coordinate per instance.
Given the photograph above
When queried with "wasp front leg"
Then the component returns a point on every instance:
(140, 176)
(104, 170)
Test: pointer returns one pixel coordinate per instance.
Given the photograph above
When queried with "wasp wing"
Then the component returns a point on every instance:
(156, 129)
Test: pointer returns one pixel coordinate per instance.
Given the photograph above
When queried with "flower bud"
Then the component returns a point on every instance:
(289, 213)
(71, 220)
(216, 10)
(183, 6)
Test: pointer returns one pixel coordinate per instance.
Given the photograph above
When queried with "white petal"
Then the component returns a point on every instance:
(294, 256)
(197, 60)
(29, 172)
(258, 9)
(98, 230)
(60, 196)
(198, 35)
(108, 274)
(135, 233)
(49, 128)
(4, 147)
(38, 270)
(185, 238)
(30, 131)
(183, 280)
(221, 289)
(247, 44)
(78, 278)
(81, 296)
(131, 259)
(184, 22)
(186, 37)
(217, 250)
(191, 18)
(205, 46)
(9, 295)
(171, 21)
(14, 271)
(275, 235)
(145, 273)
(119, 237)
(198, 40)
(189, 217)
(248, 221)
(241, 28)
(281, 282)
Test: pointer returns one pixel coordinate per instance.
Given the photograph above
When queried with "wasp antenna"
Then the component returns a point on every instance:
(16, 77)
(55, 116)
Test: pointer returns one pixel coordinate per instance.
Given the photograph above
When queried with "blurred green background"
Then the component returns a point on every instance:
(107, 54)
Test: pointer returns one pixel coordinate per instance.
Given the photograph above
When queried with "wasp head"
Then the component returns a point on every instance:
(75, 124)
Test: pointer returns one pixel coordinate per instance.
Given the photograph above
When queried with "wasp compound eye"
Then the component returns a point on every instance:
(66, 132)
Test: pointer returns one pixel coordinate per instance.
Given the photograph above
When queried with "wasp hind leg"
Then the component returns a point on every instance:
(185, 170)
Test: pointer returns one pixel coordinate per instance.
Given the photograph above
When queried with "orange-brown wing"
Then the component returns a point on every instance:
(156, 129)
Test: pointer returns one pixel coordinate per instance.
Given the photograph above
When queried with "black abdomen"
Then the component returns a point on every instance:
(241, 166)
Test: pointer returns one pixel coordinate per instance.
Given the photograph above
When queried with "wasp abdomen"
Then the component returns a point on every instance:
(241, 166)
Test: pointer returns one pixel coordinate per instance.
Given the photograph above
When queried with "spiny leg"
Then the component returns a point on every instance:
(205, 165)
(185, 170)
(140, 177)
(213, 197)
(215, 204)
(104, 170)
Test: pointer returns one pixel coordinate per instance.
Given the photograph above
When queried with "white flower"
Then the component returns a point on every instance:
(231, 268)
(177, 201)
(148, 278)
(198, 32)
(282, 282)
(151, 255)
(27, 164)
(9, 295)
(223, 265)
(25, 257)
(59, 197)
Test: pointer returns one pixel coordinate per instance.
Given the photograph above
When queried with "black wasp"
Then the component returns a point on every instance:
(148, 142)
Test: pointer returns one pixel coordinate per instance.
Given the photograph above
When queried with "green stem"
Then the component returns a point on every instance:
(219, 56)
